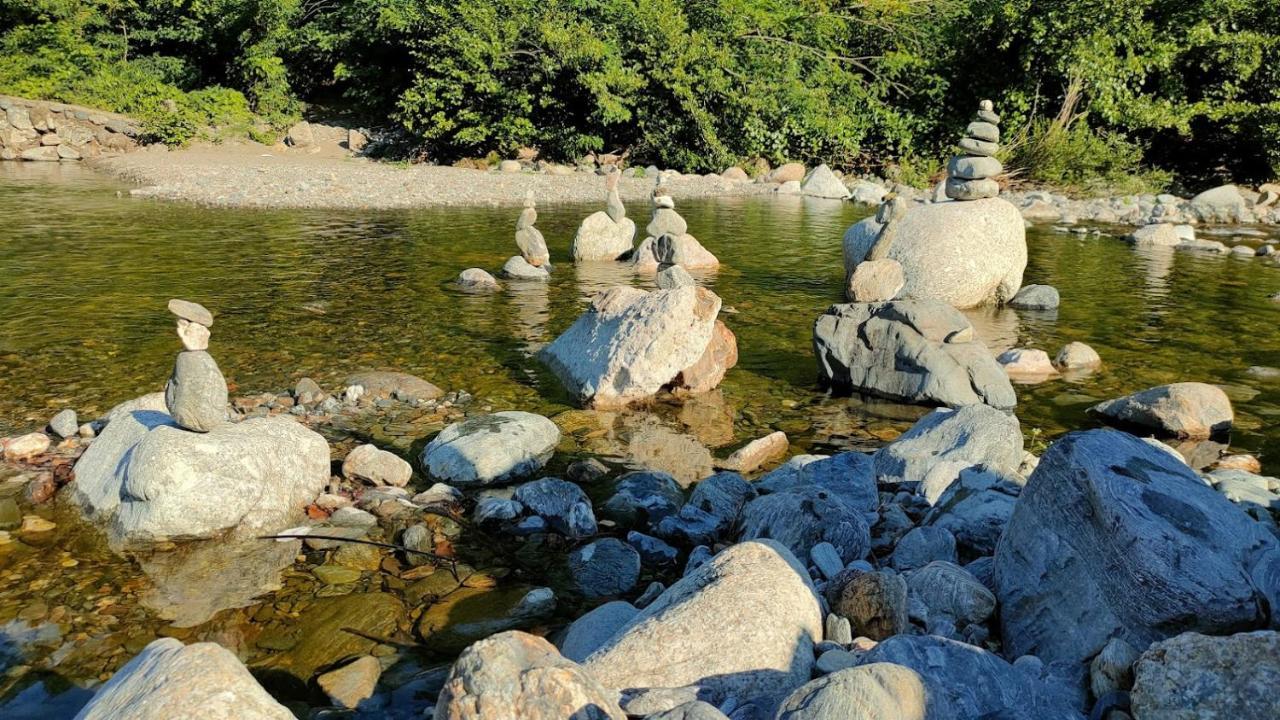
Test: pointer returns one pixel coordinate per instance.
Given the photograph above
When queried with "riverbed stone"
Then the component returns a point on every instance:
(192, 311)
(875, 281)
(491, 449)
(963, 253)
(964, 681)
(477, 280)
(1158, 235)
(353, 683)
(951, 593)
(875, 603)
(1223, 204)
(377, 467)
(196, 394)
(741, 625)
(751, 456)
(971, 435)
(604, 568)
(804, 517)
(920, 351)
(168, 680)
(1195, 677)
(586, 634)
(1185, 410)
(974, 507)
(1036, 297)
(921, 546)
(1077, 356)
(1103, 515)
(674, 277)
(382, 384)
(517, 268)
(849, 475)
(631, 344)
(65, 424)
(561, 504)
(877, 691)
(25, 447)
(517, 676)
(643, 498)
(683, 250)
(1027, 364)
(822, 182)
(601, 238)
(469, 614)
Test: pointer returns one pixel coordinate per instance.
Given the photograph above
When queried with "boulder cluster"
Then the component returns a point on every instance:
(969, 174)
(52, 132)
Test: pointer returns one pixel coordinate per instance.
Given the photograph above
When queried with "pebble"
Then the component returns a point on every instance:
(836, 660)
(36, 524)
(65, 424)
(827, 559)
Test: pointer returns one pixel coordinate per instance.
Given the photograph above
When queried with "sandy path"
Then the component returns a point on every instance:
(259, 176)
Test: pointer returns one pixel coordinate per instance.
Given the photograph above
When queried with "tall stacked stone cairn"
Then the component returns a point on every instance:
(196, 395)
(534, 260)
(606, 235)
(668, 241)
(969, 174)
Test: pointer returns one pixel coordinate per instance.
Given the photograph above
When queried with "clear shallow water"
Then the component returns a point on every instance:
(85, 274)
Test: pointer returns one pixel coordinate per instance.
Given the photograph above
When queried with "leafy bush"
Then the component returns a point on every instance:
(1079, 158)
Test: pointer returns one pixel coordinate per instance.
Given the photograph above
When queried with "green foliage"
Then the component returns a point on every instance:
(1081, 159)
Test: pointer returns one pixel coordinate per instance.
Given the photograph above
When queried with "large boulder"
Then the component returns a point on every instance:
(822, 182)
(963, 682)
(631, 344)
(1224, 204)
(1195, 677)
(517, 676)
(600, 238)
(163, 483)
(971, 435)
(586, 634)
(879, 691)
(962, 253)
(915, 351)
(168, 680)
(1112, 537)
(741, 625)
(491, 449)
(1185, 410)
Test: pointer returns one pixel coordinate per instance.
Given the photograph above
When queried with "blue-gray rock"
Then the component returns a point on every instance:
(963, 682)
(879, 691)
(915, 351)
(605, 567)
(643, 498)
(742, 626)
(491, 449)
(692, 710)
(921, 546)
(562, 504)
(722, 496)
(697, 558)
(1036, 297)
(805, 516)
(949, 591)
(496, 509)
(653, 552)
(971, 435)
(196, 395)
(975, 509)
(691, 526)
(1114, 538)
(848, 475)
(586, 634)
(827, 559)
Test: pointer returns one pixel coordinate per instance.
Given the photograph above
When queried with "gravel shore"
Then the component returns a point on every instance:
(258, 176)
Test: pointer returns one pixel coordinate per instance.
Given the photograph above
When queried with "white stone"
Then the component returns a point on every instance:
(822, 182)
(377, 466)
(600, 238)
(194, 336)
(491, 449)
(1027, 364)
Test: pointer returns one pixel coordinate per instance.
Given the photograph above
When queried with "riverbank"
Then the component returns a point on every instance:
(257, 176)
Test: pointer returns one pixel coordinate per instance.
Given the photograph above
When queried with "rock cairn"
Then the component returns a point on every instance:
(668, 241)
(608, 234)
(969, 174)
(613, 202)
(196, 395)
(533, 247)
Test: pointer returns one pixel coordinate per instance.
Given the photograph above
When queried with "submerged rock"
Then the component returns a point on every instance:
(742, 625)
(470, 614)
(477, 280)
(491, 449)
(1036, 297)
(920, 352)
(971, 435)
(380, 384)
(961, 253)
(1114, 538)
(516, 676)
(167, 680)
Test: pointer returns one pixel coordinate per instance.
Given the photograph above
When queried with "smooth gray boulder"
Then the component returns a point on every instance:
(961, 253)
(631, 344)
(605, 567)
(741, 625)
(600, 238)
(1036, 297)
(878, 691)
(922, 352)
(970, 435)
(642, 498)
(65, 424)
(975, 508)
(921, 546)
(517, 676)
(586, 634)
(803, 517)
(848, 475)
(196, 394)
(1186, 410)
(1197, 677)
(822, 182)
(963, 682)
(491, 449)
(1158, 235)
(1114, 538)
(101, 470)
(951, 593)
(1223, 204)
(168, 680)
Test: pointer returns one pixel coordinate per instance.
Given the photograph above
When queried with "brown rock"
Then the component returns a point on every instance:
(787, 173)
(384, 384)
(709, 371)
(875, 603)
(352, 683)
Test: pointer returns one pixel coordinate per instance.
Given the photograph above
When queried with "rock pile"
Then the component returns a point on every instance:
(969, 175)
(534, 260)
(668, 241)
(608, 234)
(196, 395)
(50, 132)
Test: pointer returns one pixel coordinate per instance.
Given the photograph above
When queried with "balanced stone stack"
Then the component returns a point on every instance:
(668, 241)
(969, 175)
(608, 234)
(534, 260)
(196, 395)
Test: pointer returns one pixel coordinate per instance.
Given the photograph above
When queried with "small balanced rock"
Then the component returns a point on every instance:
(969, 174)
(533, 247)
(196, 394)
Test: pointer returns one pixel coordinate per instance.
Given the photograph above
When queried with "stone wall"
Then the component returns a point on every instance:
(52, 132)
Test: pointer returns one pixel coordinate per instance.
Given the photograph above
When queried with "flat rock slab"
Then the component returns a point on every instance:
(1196, 676)
(195, 312)
(491, 449)
(385, 384)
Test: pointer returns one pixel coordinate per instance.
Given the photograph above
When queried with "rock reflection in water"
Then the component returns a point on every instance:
(195, 581)
(531, 301)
